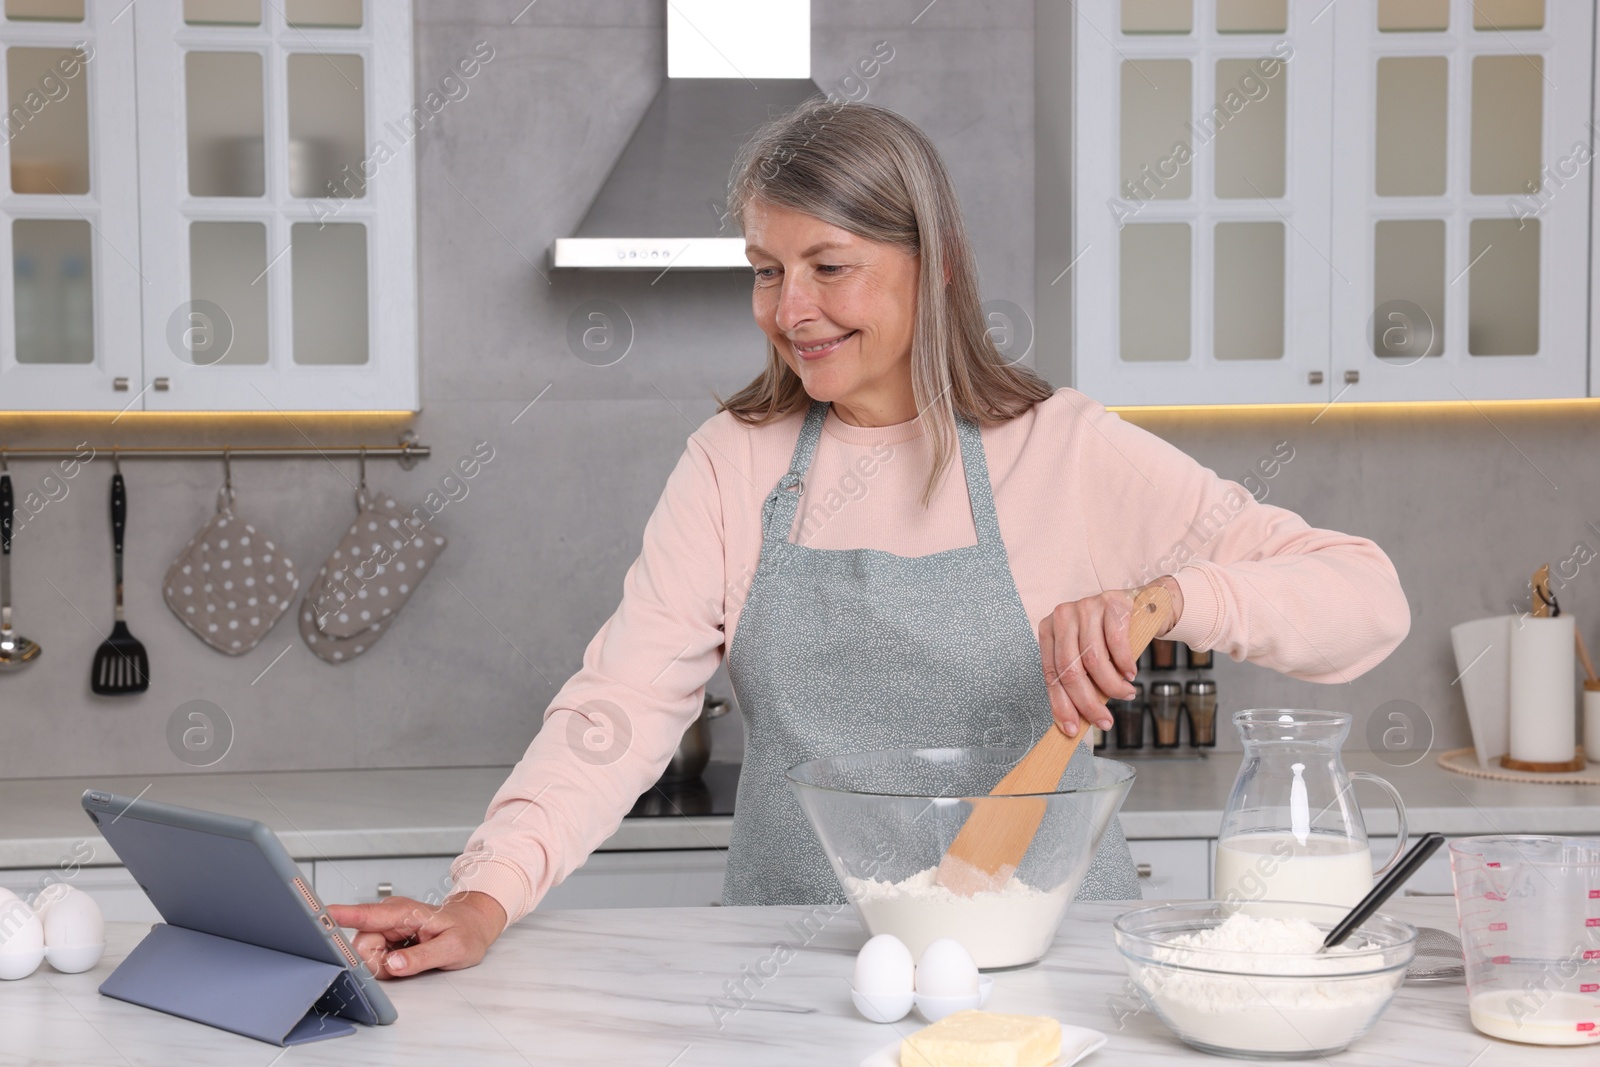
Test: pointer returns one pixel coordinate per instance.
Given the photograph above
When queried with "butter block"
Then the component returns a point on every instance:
(984, 1039)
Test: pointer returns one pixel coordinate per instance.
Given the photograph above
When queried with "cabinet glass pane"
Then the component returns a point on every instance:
(45, 10)
(1156, 109)
(1252, 16)
(1507, 14)
(330, 292)
(228, 290)
(1157, 16)
(1408, 288)
(1407, 15)
(1503, 312)
(1248, 298)
(225, 124)
(327, 125)
(54, 290)
(340, 13)
(222, 12)
(1248, 119)
(1507, 117)
(1154, 295)
(1412, 102)
(48, 120)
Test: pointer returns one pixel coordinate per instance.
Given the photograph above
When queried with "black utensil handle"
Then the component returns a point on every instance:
(1385, 888)
(6, 506)
(119, 520)
(119, 510)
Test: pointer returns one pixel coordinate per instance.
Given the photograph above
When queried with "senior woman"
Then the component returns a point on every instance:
(898, 539)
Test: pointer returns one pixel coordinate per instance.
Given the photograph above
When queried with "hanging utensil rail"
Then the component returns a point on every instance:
(406, 452)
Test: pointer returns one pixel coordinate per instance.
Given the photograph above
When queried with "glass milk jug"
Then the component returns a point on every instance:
(1292, 829)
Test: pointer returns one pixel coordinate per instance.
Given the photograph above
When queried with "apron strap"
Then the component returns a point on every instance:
(980, 494)
(778, 511)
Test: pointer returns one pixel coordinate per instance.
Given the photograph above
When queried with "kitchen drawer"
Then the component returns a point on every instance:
(113, 888)
(1431, 879)
(1177, 869)
(365, 880)
(681, 878)
(674, 878)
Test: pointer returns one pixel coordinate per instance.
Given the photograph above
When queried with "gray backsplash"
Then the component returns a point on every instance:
(1466, 507)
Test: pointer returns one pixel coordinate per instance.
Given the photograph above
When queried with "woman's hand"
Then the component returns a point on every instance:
(1084, 646)
(401, 936)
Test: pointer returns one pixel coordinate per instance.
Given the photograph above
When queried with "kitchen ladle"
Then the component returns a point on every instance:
(1385, 889)
(16, 651)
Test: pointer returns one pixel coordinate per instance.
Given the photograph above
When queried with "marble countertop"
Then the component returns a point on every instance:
(432, 811)
(642, 987)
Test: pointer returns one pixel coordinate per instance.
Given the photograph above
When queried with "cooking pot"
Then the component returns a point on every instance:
(694, 748)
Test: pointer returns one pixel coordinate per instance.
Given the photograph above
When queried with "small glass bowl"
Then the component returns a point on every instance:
(1257, 1005)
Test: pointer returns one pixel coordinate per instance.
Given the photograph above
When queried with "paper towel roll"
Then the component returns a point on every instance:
(1543, 718)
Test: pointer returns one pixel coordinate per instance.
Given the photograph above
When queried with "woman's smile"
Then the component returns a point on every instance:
(811, 350)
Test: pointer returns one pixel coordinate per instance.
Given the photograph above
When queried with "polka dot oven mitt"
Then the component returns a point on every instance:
(230, 584)
(335, 649)
(369, 577)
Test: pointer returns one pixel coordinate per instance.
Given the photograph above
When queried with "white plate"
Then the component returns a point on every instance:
(1076, 1043)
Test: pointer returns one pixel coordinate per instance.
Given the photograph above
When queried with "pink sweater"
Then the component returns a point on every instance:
(1086, 503)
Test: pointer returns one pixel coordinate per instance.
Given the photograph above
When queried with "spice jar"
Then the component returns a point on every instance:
(1163, 655)
(1200, 703)
(1166, 706)
(1127, 717)
(1196, 659)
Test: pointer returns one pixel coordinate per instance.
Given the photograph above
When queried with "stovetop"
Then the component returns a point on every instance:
(710, 794)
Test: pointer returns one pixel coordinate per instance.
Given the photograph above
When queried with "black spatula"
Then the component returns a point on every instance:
(120, 663)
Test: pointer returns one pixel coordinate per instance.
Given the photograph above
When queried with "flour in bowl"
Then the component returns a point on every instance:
(1000, 929)
(1279, 997)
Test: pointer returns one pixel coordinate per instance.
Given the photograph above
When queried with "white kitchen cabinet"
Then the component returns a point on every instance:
(656, 879)
(70, 285)
(1173, 869)
(1254, 223)
(113, 888)
(1461, 201)
(243, 237)
(1200, 192)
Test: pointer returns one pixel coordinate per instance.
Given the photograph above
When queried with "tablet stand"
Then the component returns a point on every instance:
(259, 992)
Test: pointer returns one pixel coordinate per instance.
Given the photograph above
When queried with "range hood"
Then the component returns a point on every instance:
(731, 65)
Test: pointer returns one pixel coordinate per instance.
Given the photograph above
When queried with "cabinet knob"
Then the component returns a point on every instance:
(120, 384)
(1144, 870)
(162, 384)
(1351, 377)
(385, 890)
(1314, 377)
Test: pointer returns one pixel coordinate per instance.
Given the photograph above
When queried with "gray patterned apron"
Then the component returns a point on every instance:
(850, 650)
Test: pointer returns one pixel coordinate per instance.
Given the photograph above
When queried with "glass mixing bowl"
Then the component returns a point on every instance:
(885, 819)
(1260, 1005)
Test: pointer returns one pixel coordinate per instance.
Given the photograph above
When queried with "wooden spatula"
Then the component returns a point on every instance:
(995, 837)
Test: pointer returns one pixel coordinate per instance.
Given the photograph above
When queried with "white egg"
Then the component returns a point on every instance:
(21, 938)
(74, 929)
(44, 898)
(883, 966)
(882, 984)
(946, 969)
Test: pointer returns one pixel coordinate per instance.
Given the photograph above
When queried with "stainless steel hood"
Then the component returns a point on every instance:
(662, 204)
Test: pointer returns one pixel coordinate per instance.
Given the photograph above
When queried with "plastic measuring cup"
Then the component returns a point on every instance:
(1529, 910)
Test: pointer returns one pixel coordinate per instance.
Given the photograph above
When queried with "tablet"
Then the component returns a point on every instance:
(229, 889)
